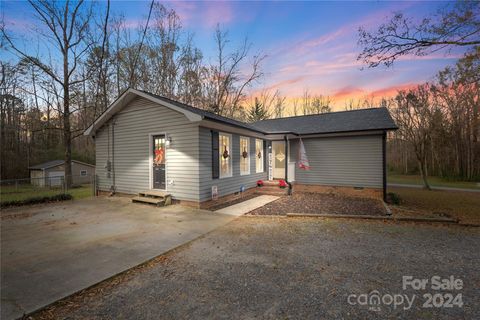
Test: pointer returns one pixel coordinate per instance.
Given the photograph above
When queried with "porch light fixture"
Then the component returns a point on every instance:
(168, 142)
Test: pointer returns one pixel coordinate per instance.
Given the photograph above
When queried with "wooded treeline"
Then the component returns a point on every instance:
(440, 124)
(438, 121)
(84, 57)
(44, 108)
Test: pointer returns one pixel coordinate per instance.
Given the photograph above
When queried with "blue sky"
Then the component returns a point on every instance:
(310, 45)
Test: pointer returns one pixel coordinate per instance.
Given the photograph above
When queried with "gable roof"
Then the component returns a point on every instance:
(192, 113)
(331, 122)
(206, 114)
(54, 163)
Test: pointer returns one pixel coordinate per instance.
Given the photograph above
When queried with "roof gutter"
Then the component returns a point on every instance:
(348, 131)
(233, 125)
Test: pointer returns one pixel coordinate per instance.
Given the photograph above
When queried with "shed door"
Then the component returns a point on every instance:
(55, 178)
(159, 152)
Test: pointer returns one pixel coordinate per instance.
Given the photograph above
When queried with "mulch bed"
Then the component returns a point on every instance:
(321, 203)
(220, 204)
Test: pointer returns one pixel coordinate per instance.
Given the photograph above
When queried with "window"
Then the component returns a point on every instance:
(259, 155)
(225, 155)
(244, 156)
(83, 173)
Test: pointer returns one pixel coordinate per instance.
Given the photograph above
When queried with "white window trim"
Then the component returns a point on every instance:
(230, 163)
(244, 173)
(257, 169)
(83, 175)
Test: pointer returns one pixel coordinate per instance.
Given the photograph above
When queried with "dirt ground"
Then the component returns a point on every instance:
(291, 268)
(305, 202)
(461, 205)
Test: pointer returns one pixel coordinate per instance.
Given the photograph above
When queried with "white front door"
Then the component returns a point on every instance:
(279, 159)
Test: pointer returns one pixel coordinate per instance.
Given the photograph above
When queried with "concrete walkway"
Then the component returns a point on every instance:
(51, 251)
(247, 206)
(418, 186)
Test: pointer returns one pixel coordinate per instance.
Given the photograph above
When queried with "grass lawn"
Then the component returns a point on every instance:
(464, 206)
(28, 191)
(434, 181)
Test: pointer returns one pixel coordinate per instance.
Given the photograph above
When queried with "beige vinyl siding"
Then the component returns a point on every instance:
(76, 167)
(37, 178)
(133, 125)
(78, 178)
(341, 161)
(225, 185)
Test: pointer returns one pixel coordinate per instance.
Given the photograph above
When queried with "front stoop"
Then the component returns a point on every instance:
(158, 198)
(271, 188)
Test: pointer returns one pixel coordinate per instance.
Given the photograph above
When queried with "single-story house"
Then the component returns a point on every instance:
(145, 141)
(52, 173)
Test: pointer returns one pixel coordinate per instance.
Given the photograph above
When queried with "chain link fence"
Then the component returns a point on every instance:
(18, 191)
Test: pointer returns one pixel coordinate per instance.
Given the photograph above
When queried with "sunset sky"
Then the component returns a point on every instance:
(310, 45)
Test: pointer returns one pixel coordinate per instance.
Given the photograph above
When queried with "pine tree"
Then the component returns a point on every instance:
(257, 112)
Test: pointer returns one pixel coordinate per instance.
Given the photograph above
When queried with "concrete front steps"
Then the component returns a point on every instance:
(158, 198)
(271, 188)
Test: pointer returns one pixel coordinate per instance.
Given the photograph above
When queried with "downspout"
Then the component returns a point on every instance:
(384, 155)
(286, 165)
(286, 157)
(114, 187)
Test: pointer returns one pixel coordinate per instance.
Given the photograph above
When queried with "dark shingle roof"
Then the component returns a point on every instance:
(342, 121)
(48, 164)
(54, 163)
(206, 114)
(332, 122)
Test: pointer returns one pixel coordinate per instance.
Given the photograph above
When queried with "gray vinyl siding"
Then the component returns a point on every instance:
(133, 125)
(101, 157)
(341, 161)
(225, 185)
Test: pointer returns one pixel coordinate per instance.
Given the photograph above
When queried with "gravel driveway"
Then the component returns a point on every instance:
(300, 268)
(322, 203)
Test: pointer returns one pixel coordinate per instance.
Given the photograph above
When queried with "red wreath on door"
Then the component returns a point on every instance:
(159, 156)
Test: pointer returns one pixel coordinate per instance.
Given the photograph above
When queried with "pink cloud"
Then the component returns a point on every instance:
(308, 45)
(16, 24)
(392, 90)
(284, 86)
(204, 14)
(348, 91)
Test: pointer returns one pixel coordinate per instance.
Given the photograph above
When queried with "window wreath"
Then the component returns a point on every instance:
(225, 153)
(245, 153)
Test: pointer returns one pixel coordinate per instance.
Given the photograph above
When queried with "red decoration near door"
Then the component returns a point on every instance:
(159, 156)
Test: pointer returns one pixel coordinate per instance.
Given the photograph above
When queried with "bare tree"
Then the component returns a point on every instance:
(320, 104)
(227, 83)
(451, 27)
(413, 115)
(306, 102)
(67, 27)
(295, 109)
